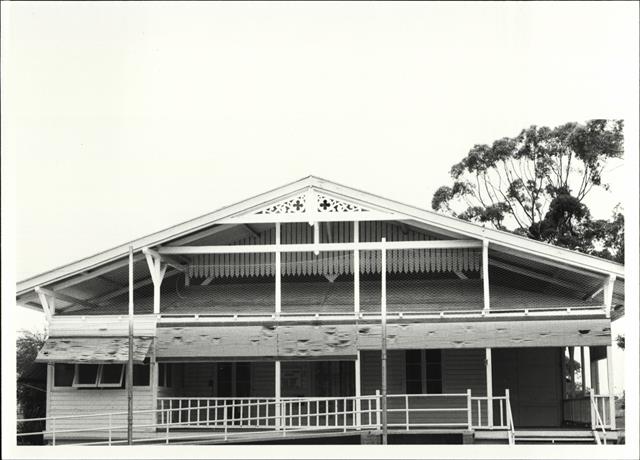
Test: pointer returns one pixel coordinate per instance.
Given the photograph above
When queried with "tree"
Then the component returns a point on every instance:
(535, 184)
(31, 400)
(620, 341)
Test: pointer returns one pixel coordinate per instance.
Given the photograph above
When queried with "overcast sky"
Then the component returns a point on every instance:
(122, 119)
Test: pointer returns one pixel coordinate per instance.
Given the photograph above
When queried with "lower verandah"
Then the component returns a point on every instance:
(532, 375)
(214, 395)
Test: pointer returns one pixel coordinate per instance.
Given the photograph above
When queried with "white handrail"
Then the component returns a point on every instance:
(596, 420)
(232, 418)
(511, 433)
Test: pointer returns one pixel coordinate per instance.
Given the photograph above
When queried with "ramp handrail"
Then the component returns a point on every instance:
(596, 420)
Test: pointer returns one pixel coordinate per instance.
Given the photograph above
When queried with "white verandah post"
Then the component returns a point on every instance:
(608, 301)
(612, 401)
(485, 275)
(489, 373)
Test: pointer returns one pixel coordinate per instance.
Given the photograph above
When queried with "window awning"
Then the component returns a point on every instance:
(93, 350)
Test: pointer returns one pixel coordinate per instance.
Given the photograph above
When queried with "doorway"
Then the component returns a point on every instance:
(533, 378)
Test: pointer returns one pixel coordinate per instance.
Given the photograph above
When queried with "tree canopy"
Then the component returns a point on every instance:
(535, 184)
(31, 399)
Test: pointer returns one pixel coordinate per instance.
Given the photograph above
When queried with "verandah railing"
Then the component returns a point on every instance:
(181, 420)
(578, 410)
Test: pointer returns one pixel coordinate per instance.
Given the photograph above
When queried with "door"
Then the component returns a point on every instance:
(532, 376)
(234, 381)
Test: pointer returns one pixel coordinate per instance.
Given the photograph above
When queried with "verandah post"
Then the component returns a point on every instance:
(485, 276)
(278, 391)
(489, 373)
(612, 401)
(593, 409)
(358, 404)
(469, 409)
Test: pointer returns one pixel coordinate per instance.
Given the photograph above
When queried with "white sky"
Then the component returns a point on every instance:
(121, 119)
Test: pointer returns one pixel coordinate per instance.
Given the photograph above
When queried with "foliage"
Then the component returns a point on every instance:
(535, 184)
(620, 341)
(31, 400)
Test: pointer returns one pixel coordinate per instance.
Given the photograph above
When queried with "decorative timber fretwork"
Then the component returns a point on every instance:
(296, 205)
(326, 204)
(334, 263)
(312, 205)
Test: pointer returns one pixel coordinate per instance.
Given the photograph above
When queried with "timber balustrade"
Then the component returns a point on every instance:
(585, 409)
(240, 318)
(182, 420)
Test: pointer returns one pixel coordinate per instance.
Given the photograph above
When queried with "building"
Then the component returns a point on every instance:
(264, 321)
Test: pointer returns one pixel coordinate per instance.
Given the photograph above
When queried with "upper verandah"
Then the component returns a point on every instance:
(306, 202)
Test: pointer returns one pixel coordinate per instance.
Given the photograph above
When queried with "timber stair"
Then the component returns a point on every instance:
(555, 437)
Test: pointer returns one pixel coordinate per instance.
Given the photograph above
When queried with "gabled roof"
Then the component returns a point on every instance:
(371, 207)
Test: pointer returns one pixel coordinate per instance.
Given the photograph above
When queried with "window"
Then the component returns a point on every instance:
(98, 375)
(86, 375)
(141, 375)
(423, 371)
(63, 375)
(111, 375)
(164, 374)
(234, 379)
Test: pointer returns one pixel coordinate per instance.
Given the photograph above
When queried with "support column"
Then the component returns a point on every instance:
(46, 306)
(383, 315)
(489, 374)
(595, 376)
(50, 377)
(583, 371)
(608, 293)
(572, 371)
(358, 390)
(278, 396)
(485, 275)
(157, 270)
(612, 401)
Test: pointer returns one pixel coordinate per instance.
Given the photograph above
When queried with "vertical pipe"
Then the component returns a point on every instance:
(130, 360)
(277, 271)
(612, 402)
(489, 368)
(356, 268)
(485, 274)
(383, 319)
